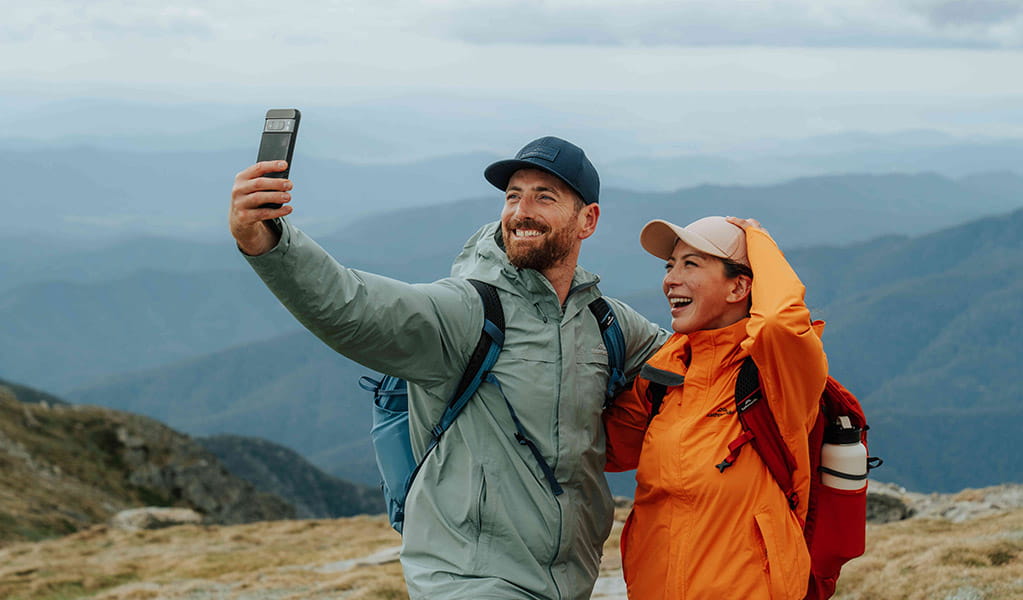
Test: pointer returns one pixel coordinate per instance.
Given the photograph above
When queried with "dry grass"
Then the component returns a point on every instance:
(918, 559)
(260, 560)
(612, 559)
(929, 559)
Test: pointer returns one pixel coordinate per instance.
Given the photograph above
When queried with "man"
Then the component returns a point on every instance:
(481, 520)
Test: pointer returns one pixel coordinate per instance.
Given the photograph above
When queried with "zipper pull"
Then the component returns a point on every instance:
(540, 310)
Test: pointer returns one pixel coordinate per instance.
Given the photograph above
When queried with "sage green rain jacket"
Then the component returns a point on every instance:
(481, 520)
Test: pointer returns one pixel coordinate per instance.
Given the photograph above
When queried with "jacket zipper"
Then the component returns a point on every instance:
(561, 360)
(543, 315)
(554, 467)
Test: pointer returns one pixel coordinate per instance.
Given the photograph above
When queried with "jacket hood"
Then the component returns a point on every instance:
(483, 257)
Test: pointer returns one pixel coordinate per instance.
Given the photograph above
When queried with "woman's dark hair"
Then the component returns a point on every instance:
(733, 269)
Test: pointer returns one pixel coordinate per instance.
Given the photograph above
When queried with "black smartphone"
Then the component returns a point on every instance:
(278, 142)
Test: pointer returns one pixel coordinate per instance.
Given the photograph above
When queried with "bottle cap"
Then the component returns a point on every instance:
(842, 432)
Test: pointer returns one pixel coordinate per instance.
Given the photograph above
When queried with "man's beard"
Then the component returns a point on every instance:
(554, 248)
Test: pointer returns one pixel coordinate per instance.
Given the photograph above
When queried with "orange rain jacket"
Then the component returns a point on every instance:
(695, 532)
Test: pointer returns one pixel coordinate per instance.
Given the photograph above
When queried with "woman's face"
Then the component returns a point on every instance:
(699, 292)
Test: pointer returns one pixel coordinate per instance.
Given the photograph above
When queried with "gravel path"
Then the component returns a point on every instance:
(610, 586)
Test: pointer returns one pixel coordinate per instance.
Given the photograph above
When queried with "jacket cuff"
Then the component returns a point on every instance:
(283, 228)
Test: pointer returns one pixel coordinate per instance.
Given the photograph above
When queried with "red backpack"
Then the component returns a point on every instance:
(836, 519)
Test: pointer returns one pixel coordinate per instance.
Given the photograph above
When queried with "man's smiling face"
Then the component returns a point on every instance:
(540, 221)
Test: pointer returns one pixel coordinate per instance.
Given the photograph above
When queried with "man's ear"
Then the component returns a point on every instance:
(742, 285)
(588, 217)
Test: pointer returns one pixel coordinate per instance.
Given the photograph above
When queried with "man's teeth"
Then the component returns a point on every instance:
(526, 233)
(678, 302)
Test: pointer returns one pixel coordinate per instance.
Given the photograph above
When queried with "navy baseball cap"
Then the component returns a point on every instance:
(564, 160)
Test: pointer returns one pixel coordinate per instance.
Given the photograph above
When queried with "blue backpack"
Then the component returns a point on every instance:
(390, 432)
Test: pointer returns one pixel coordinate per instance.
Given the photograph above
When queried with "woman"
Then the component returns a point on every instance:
(698, 530)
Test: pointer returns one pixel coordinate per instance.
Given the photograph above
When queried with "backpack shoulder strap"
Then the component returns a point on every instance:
(760, 429)
(482, 358)
(660, 380)
(614, 341)
(493, 333)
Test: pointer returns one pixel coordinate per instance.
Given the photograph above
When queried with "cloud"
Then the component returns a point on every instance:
(959, 13)
(675, 23)
(782, 23)
(105, 21)
(181, 24)
(344, 50)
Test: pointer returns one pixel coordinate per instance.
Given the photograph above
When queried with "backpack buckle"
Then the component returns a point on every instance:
(733, 450)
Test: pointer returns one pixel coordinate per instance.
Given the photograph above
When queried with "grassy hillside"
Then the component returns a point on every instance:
(65, 467)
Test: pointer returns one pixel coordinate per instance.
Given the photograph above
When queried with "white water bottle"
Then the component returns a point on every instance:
(843, 456)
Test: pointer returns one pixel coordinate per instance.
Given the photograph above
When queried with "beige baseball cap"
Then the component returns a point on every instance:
(710, 235)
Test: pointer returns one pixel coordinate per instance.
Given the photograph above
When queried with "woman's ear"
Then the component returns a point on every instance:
(741, 288)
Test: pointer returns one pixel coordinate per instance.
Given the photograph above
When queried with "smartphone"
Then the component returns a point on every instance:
(278, 142)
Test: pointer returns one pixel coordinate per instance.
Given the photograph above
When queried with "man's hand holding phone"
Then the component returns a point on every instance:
(262, 191)
(253, 199)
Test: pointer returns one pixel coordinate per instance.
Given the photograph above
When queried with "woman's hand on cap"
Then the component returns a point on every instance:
(746, 223)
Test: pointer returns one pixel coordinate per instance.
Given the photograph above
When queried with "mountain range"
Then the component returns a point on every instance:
(120, 289)
(920, 327)
(95, 170)
(406, 129)
(148, 302)
(114, 194)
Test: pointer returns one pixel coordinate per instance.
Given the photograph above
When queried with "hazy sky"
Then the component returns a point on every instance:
(782, 67)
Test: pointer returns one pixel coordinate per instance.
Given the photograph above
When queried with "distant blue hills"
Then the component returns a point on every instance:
(98, 170)
(120, 285)
(922, 325)
(147, 302)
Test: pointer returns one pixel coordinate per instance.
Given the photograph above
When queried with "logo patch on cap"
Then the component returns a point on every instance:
(545, 152)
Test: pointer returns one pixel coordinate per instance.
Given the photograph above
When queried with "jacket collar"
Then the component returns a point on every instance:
(675, 355)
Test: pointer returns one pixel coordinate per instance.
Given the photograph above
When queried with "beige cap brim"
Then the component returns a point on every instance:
(711, 235)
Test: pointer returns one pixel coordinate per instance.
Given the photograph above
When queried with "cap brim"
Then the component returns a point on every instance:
(659, 237)
(500, 173)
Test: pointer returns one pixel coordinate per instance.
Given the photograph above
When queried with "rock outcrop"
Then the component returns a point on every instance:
(154, 517)
(958, 507)
(178, 468)
(286, 474)
(65, 467)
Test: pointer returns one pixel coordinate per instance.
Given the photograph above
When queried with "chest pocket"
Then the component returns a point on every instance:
(592, 375)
